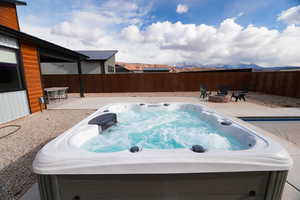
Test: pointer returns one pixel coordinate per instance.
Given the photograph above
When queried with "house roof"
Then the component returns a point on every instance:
(40, 43)
(99, 55)
(18, 3)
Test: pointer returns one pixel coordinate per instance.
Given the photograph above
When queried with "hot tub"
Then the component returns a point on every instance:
(161, 151)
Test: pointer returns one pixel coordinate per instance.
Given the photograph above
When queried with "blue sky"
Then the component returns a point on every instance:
(203, 32)
(211, 12)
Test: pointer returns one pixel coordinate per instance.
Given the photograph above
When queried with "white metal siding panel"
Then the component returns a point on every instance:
(13, 105)
(8, 56)
(112, 62)
(8, 42)
(88, 67)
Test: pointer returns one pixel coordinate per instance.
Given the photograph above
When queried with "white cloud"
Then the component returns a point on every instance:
(110, 27)
(240, 14)
(182, 8)
(132, 33)
(229, 43)
(291, 15)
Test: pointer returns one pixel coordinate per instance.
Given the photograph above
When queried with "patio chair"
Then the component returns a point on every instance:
(239, 95)
(66, 92)
(61, 94)
(203, 92)
(52, 95)
(222, 91)
(46, 97)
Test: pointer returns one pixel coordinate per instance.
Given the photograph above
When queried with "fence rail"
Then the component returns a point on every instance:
(279, 83)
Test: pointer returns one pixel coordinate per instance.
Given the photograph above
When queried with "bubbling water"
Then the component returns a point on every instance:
(160, 128)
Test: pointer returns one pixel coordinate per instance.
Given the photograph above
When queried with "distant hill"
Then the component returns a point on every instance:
(184, 67)
(143, 66)
(254, 67)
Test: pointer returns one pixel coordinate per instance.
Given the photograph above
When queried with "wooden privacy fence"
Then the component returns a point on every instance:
(279, 83)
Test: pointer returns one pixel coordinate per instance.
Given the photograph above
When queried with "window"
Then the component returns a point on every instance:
(110, 68)
(10, 77)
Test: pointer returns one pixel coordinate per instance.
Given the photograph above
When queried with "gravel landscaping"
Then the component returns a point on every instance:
(18, 149)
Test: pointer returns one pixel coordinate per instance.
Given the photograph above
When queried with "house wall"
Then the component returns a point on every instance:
(13, 97)
(8, 16)
(13, 105)
(91, 67)
(59, 68)
(88, 67)
(32, 75)
(110, 62)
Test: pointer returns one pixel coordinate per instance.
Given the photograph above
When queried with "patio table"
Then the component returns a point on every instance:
(53, 93)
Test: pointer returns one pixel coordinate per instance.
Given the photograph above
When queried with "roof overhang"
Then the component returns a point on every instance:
(113, 52)
(43, 45)
(18, 3)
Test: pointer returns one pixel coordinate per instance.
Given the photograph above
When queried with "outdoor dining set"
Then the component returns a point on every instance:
(222, 95)
(55, 93)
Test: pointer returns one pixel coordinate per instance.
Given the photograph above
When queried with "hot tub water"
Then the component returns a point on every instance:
(156, 127)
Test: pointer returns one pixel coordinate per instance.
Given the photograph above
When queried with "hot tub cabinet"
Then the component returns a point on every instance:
(68, 172)
(208, 186)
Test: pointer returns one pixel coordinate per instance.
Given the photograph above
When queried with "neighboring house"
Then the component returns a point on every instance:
(20, 58)
(99, 62)
(121, 69)
(143, 68)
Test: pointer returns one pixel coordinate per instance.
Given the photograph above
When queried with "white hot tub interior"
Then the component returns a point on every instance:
(166, 126)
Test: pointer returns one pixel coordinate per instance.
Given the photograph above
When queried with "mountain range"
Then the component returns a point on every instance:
(254, 67)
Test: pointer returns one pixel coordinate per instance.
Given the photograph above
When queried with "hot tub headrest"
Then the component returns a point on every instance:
(134, 149)
(104, 121)
(198, 148)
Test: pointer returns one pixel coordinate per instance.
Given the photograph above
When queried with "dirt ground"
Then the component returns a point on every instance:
(18, 150)
(273, 100)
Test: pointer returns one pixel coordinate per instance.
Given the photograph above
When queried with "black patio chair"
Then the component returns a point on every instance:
(222, 91)
(240, 95)
(204, 92)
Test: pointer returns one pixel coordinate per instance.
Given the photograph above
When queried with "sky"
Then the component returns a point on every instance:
(203, 32)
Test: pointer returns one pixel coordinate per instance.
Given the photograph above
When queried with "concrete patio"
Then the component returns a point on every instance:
(280, 131)
(236, 109)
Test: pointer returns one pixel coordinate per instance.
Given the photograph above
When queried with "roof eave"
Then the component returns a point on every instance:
(17, 3)
(92, 59)
(21, 3)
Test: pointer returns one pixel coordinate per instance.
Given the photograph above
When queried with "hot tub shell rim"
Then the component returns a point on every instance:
(61, 157)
